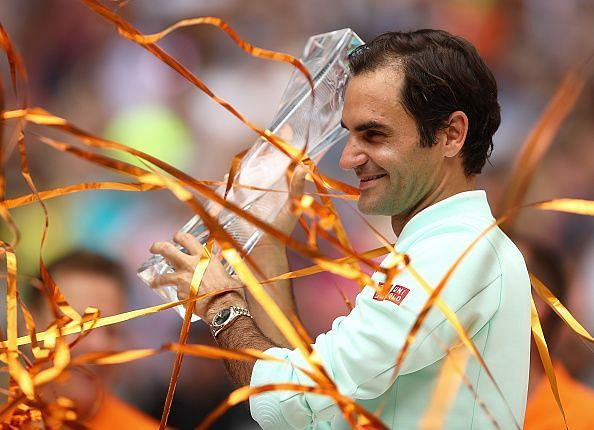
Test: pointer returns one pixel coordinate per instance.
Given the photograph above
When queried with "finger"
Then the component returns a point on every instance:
(189, 242)
(286, 219)
(297, 182)
(173, 255)
(181, 295)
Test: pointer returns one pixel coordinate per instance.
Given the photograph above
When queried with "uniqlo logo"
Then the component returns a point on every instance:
(396, 295)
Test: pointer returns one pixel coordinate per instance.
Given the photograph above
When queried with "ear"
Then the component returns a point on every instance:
(454, 133)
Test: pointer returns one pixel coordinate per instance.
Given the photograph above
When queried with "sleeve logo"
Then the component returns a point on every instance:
(396, 294)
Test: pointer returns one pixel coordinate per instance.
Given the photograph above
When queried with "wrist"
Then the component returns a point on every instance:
(222, 301)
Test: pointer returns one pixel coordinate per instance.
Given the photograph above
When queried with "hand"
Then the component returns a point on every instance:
(269, 254)
(286, 219)
(215, 279)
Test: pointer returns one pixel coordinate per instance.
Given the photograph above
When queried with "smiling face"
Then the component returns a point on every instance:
(397, 176)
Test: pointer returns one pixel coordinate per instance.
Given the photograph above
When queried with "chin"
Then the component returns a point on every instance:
(369, 208)
(362, 205)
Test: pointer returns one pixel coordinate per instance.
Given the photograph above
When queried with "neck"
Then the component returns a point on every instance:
(446, 188)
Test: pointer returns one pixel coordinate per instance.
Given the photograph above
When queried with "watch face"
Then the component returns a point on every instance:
(222, 316)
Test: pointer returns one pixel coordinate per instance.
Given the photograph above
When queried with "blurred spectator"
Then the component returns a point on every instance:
(542, 412)
(89, 279)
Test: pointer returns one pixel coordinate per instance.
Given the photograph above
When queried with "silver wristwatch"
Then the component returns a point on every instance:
(225, 317)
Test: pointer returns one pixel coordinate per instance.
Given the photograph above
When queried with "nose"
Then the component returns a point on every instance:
(352, 155)
(99, 340)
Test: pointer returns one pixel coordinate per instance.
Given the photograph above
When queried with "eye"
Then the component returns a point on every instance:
(372, 135)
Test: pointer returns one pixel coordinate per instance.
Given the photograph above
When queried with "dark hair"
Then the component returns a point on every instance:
(442, 74)
(80, 260)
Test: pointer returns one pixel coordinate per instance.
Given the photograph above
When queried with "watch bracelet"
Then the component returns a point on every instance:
(238, 312)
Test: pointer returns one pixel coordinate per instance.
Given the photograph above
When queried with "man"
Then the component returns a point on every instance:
(421, 109)
(89, 279)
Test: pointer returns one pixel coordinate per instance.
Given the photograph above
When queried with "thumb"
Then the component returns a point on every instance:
(286, 219)
(297, 185)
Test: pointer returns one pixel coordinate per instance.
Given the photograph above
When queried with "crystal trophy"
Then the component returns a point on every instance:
(300, 120)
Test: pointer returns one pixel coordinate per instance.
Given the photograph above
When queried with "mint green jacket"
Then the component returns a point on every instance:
(489, 293)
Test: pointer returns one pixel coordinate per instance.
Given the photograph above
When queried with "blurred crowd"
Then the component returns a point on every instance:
(81, 70)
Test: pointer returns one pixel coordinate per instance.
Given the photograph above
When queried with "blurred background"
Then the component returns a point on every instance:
(80, 69)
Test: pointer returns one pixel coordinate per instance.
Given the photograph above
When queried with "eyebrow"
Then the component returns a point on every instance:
(369, 125)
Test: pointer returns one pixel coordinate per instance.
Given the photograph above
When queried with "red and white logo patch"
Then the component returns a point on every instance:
(396, 295)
